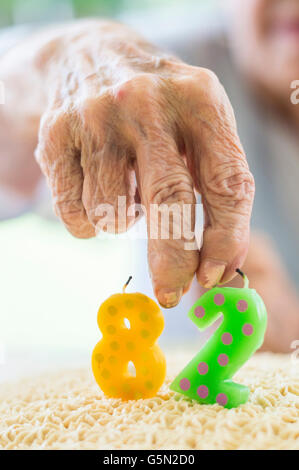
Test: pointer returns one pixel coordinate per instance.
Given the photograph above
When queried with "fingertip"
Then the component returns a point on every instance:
(230, 274)
(169, 298)
(84, 233)
(210, 273)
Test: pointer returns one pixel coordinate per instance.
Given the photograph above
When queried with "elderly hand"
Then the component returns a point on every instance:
(117, 108)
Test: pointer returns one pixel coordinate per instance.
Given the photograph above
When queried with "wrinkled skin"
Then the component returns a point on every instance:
(110, 107)
(118, 106)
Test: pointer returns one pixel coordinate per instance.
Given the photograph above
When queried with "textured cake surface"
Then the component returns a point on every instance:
(67, 410)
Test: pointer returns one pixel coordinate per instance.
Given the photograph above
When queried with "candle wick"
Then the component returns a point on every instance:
(245, 278)
(240, 272)
(124, 288)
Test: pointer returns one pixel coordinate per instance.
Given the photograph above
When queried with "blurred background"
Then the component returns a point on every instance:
(156, 19)
(18, 11)
(52, 284)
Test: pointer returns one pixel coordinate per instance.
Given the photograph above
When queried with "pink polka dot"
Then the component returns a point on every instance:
(227, 338)
(185, 384)
(199, 312)
(242, 305)
(203, 368)
(202, 391)
(247, 329)
(221, 399)
(219, 299)
(222, 359)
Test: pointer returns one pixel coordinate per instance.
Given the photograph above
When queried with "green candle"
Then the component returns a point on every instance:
(207, 378)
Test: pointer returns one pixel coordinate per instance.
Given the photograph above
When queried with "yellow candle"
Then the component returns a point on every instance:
(131, 325)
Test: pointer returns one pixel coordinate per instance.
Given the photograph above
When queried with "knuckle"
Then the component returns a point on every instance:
(208, 77)
(234, 183)
(67, 211)
(211, 89)
(87, 107)
(54, 124)
(140, 102)
(91, 110)
(173, 189)
(53, 128)
(143, 88)
(72, 214)
(52, 141)
(187, 83)
(201, 76)
(202, 86)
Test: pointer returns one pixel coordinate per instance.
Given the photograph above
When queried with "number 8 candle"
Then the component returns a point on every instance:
(207, 378)
(131, 325)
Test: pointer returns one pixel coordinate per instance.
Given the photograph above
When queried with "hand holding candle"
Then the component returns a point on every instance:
(133, 340)
(207, 378)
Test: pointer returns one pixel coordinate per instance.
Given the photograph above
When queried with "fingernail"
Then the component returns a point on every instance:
(169, 298)
(210, 273)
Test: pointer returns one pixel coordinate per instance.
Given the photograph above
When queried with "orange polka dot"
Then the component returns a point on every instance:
(114, 345)
(148, 384)
(111, 329)
(112, 310)
(99, 357)
(145, 333)
(144, 316)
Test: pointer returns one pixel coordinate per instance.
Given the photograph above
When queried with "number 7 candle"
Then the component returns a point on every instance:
(207, 378)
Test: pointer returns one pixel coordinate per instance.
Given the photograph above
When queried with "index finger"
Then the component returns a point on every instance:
(166, 189)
